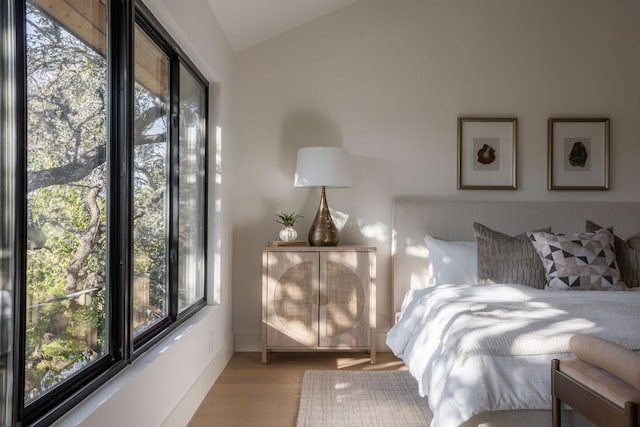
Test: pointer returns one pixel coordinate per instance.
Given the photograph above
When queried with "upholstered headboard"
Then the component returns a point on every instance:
(452, 220)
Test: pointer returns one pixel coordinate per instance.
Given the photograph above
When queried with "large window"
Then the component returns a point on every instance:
(110, 218)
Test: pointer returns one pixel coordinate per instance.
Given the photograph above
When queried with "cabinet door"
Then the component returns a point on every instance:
(292, 315)
(344, 299)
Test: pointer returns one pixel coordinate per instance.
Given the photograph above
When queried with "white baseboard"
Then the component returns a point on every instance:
(186, 408)
(381, 343)
(247, 341)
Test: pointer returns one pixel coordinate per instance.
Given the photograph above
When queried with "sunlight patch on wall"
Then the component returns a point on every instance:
(375, 230)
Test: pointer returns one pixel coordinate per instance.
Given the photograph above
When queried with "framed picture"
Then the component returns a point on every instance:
(487, 153)
(578, 154)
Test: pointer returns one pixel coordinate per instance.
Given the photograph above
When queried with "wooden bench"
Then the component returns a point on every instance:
(603, 388)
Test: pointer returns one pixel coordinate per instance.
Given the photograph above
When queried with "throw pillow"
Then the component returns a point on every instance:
(452, 262)
(627, 255)
(578, 261)
(507, 259)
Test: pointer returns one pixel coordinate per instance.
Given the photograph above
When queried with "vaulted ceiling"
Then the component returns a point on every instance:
(249, 22)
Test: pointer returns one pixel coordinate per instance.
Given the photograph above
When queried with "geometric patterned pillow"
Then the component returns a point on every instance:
(627, 255)
(578, 261)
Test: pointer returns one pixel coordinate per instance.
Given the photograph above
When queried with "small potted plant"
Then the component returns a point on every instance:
(287, 219)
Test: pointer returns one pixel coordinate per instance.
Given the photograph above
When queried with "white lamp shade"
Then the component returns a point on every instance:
(323, 166)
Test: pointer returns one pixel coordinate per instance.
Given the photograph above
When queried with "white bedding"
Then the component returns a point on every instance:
(478, 348)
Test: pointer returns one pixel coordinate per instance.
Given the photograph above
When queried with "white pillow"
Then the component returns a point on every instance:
(452, 262)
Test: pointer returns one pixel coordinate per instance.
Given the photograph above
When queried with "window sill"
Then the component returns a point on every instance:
(147, 392)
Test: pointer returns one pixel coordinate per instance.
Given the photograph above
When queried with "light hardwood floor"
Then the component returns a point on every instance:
(249, 393)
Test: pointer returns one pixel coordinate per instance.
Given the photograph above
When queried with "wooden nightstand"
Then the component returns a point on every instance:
(318, 298)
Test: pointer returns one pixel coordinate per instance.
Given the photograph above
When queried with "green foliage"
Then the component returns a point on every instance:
(67, 274)
(288, 219)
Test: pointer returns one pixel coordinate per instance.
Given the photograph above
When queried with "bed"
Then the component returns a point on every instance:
(482, 352)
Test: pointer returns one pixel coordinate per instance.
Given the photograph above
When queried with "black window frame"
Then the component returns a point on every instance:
(8, 159)
(152, 28)
(123, 347)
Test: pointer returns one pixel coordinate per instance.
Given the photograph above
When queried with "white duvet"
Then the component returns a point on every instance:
(478, 348)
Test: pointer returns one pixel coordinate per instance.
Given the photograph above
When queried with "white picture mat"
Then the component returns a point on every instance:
(596, 175)
(503, 176)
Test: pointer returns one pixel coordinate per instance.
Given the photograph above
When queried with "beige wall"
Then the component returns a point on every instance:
(387, 80)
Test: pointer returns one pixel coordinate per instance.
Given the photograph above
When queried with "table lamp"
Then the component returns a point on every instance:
(323, 167)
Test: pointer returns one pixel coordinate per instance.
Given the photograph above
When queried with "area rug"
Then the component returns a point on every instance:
(361, 398)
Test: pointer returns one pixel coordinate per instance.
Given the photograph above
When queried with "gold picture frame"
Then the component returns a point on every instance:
(578, 154)
(487, 148)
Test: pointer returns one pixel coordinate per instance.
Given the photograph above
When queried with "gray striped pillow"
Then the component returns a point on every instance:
(508, 259)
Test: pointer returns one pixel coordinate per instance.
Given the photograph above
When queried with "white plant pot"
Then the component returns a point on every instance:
(288, 234)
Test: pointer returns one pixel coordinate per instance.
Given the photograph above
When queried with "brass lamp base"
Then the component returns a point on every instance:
(323, 231)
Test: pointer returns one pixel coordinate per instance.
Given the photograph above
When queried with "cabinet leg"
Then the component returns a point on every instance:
(264, 355)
